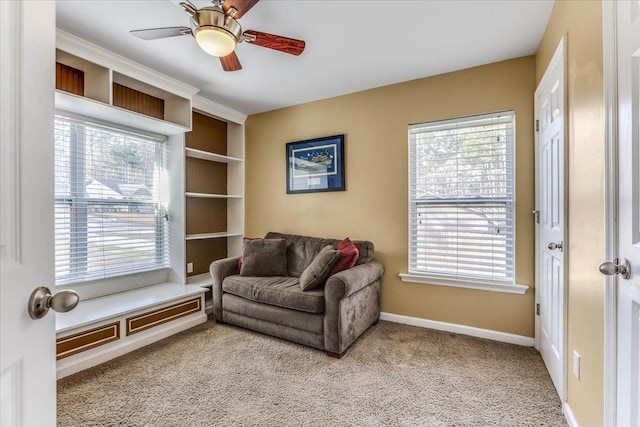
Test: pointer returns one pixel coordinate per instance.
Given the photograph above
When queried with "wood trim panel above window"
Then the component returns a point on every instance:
(69, 79)
(139, 102)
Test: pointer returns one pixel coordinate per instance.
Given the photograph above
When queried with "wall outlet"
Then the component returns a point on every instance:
(576, 364)
(189, 267)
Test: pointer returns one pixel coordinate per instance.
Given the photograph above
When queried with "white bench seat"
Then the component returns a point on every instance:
(103, 328)
(95, 310)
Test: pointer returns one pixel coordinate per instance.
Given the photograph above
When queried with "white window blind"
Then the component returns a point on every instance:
(108, 217)
(461, 198)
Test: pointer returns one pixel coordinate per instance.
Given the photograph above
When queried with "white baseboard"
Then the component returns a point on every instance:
(98, 355)
(459, 329)
(568, 414)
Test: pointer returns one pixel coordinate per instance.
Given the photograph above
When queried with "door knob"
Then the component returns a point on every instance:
(610, 268)
(553, 246)
(41, 301)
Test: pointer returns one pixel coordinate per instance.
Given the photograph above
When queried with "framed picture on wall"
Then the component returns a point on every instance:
(316, 165)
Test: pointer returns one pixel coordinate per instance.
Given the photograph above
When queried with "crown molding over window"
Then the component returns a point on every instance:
(211, 107)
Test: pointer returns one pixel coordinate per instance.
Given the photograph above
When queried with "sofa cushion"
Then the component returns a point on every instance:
(264, 257)
(270, 313)
(314, 276)
(279, 291)
(348, 256)
(301, 250)
(252, 238)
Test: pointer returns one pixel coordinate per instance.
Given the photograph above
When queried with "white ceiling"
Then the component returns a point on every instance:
(351, 45)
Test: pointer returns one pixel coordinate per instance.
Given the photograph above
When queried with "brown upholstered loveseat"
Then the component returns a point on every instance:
(330, 318)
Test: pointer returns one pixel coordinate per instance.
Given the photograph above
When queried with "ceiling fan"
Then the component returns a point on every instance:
(217, 31)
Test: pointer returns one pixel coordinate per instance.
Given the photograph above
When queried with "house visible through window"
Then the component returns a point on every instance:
(461, 198)
(108, 217)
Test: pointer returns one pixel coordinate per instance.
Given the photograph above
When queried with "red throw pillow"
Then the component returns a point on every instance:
(255, 238)
(349, 255)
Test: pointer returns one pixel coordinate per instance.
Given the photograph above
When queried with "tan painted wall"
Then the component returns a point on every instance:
(374, 207)
(581, 22)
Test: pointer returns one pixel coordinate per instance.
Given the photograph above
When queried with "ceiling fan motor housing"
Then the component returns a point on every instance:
(214, 17)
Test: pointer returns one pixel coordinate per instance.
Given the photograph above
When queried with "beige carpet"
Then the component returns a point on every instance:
(396, 375)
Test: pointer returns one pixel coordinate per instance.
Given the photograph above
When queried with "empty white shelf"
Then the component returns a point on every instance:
(205, 155)
(203, 279)
(89, 107)
(213, 196)
(211, 235)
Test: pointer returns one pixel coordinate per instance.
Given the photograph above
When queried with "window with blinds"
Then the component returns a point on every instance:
(461, 198)
(109, 220)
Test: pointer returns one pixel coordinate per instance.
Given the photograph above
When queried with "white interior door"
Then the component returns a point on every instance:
(550, 221)
(28, 359)
(628, 351)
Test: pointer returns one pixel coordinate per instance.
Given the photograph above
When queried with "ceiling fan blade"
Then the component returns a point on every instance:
(230, 62)
(161, 33)
(242, 6)
(189, 7)
(272, 41)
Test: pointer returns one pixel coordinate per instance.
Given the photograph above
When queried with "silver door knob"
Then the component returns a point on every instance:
(41, 301)
(616, 267)
(553, 246)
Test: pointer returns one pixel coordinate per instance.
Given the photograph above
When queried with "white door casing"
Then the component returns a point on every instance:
(27, 346)
(628, 301)
(551, 242)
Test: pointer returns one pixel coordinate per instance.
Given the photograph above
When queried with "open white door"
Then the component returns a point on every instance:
(28, 358)
(627, 264)
(550, 219)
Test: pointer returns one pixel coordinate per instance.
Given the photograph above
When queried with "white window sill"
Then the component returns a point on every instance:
(117, 284)
(468, 284)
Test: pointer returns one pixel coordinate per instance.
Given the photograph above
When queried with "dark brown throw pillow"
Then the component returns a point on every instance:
(264, 257)
(253, 238)
(314, 276)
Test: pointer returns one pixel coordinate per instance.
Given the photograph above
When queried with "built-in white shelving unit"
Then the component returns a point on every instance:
(102, 86)
(230, 158)
(101, 74)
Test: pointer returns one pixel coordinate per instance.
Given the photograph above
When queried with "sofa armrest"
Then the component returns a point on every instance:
(220, 269)
(352, 304)
(350, 281)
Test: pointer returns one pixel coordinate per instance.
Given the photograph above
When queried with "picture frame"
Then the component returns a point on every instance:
(315, 165)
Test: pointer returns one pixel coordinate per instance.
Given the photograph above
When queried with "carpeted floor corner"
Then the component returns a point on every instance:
(394, 375)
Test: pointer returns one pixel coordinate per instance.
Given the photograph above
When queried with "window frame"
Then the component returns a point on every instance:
(120, 281)
(460, 280)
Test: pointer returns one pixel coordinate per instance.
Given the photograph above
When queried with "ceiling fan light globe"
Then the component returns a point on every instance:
(215, 41)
